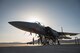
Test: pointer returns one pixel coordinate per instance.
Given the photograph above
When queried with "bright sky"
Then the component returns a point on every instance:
(53, 13)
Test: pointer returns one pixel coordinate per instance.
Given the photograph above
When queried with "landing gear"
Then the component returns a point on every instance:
(58, 43)
(55, 42)
(48, 40)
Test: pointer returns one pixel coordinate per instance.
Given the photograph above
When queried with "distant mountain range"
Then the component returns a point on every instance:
(61, 41)
(70, 41)
(36, 41)
(12, 43)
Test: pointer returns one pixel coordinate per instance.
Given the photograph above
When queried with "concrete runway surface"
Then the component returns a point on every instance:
(41, 49)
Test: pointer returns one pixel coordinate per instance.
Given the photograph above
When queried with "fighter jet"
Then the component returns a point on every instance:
(45, 33)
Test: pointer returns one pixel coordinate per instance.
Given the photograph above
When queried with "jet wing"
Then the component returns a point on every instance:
(68, 33)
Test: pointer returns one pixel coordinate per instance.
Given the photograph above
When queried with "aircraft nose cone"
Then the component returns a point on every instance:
(10, 22)
(16, 23)
(26, 26)
(19, 24)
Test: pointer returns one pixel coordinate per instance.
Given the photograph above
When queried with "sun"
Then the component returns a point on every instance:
(33, 19)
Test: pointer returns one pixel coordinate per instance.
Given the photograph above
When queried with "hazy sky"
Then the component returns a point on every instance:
(53, 13)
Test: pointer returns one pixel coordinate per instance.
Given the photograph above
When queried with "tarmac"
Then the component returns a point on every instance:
(41, 49)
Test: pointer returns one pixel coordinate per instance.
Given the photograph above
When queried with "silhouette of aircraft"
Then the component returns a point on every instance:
(45, 33)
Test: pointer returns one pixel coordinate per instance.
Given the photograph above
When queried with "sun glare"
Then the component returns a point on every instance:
(33, 19)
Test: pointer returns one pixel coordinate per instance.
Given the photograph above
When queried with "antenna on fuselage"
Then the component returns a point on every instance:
(62, 29)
